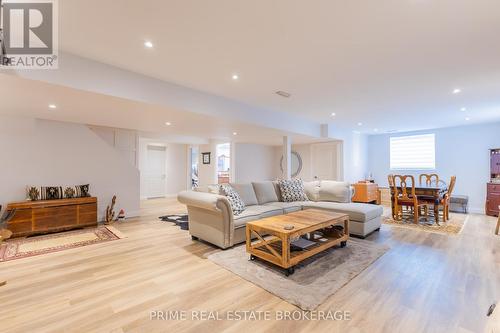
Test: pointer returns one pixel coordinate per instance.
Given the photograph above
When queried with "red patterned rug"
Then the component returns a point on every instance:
(18, 248)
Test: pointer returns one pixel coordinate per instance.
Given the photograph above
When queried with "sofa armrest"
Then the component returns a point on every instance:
(209, 201)
(210, 217)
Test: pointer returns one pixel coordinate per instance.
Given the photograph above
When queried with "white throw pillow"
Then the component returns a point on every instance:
(312, 190)
(237, 205)
(335, 191)
(292, 190)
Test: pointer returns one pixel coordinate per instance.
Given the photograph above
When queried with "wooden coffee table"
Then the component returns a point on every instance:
(273, 240)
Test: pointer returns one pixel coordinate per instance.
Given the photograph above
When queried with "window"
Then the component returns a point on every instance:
(413, 152)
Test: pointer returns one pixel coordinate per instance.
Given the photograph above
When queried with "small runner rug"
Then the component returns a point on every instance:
(17, 248)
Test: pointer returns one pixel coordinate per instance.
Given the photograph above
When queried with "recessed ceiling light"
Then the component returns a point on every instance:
(333, 114)
(360, 124)
(467, 118)
(375, 129)
(148, 44)
(235, 133)
(235, 77)
(52, 106)
(457, 91)
(463, 109)
(168, 123)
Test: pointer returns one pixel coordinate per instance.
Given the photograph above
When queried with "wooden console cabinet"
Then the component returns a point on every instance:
(493, 187)
(44, 216)
(366, 192)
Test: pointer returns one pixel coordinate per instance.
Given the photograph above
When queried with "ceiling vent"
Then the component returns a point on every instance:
(283, 94)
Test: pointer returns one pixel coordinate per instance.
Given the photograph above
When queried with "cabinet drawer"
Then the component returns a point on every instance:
(87, 214)
(493, 188)
(54, 217)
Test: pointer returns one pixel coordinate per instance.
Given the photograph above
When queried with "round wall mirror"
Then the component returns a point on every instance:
(296, 164)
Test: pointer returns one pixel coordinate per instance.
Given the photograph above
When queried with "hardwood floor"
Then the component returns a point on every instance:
(425, 283)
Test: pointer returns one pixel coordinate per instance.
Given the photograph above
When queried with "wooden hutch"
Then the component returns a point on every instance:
(493, 187)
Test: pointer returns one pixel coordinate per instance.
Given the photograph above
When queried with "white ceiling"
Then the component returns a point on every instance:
(388, 64)
(150, 120)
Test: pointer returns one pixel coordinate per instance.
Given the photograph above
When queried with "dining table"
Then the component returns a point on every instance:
(433, 191)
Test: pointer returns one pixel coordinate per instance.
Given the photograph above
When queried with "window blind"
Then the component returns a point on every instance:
(413, 152)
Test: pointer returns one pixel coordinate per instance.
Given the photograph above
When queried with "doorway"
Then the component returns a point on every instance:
(194, 156)
(155, 179)
(223, 152)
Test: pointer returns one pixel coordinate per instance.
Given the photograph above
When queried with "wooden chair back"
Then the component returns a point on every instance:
(406, 188)
(390, 181)
(451, 186)
(428, 179)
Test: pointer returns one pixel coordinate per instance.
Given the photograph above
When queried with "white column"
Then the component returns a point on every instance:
(287, 157)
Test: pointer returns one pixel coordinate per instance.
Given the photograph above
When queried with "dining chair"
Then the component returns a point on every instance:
(428, 179)
(447, 198)
(390, 181)
(404, 187)
(444, 202)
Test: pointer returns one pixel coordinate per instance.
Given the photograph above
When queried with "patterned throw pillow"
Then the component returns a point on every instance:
(69, 192)
(237, 205)
(51, 192)
(82, 191)
(292, 190)
(33, 193)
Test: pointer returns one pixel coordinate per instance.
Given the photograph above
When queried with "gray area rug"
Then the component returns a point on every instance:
(314, 280)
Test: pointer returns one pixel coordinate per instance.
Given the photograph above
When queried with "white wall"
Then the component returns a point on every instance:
(207, 173)
(41, 153)
(354, 157)
(123, 141)
(460, 151)
(355, 153)
(305, 154)
(176, 166)
(253, 162)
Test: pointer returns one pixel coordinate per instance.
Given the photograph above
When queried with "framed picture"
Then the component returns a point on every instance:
(205, 158)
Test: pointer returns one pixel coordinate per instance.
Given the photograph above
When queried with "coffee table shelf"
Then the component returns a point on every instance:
(273, 240)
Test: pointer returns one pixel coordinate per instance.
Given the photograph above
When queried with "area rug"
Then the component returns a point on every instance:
(180, 220)
(17, 248)
(314, 280)
(452, 227)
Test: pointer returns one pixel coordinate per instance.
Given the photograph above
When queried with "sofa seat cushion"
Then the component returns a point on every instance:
(288, 207)
(357, 211)
(252, 213)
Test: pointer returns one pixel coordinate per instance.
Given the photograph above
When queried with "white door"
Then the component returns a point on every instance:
(326, 161)
(155, 177)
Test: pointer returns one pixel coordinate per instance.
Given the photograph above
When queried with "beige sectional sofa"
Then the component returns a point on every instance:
(211, 218)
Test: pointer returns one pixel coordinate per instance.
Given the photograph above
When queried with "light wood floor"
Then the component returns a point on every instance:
(425, 283)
